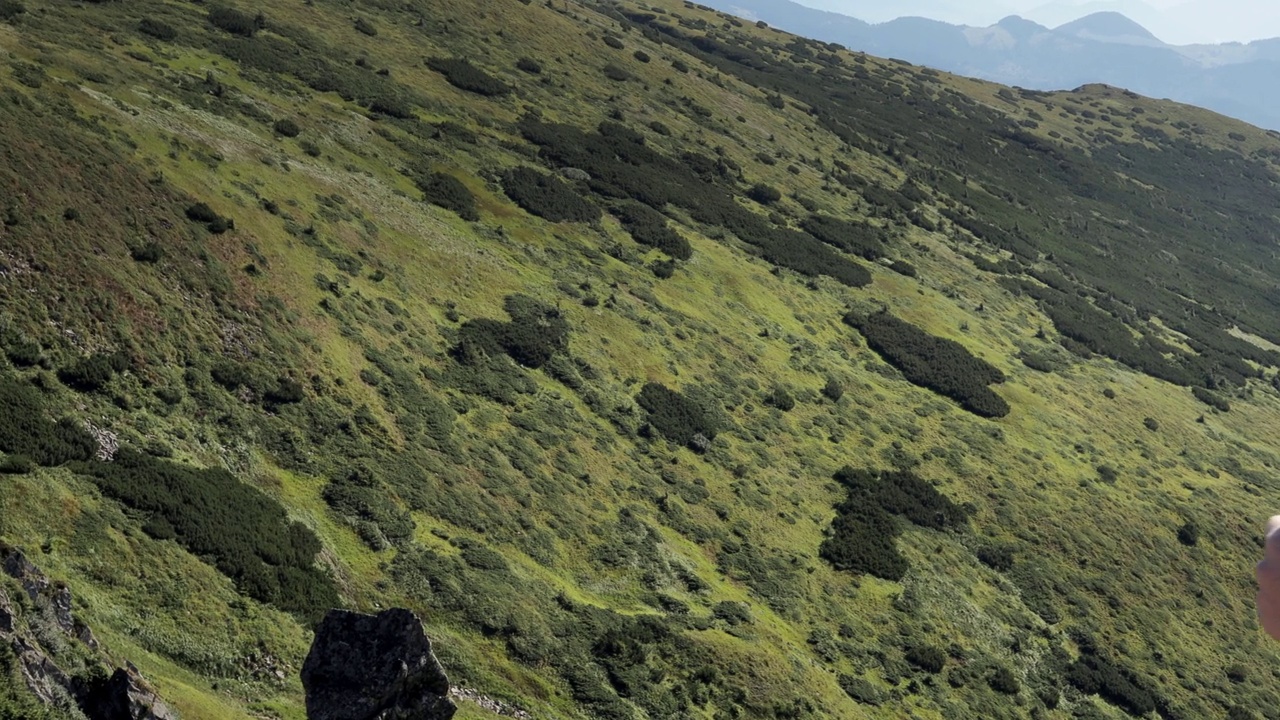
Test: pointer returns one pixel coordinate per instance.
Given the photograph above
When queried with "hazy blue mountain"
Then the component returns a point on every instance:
(1103, 47)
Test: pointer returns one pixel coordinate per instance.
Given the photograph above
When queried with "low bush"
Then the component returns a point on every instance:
(863, 533)
(929, 658)
(448, 192)
(215, 223)
(859, 238)
(463, 75)
(287, 128)
(1189, 534)
(614, 42)
(365, 27)
(534, 335)
(678, 418)
(26, 430)
(1094, 673)
(236, 22)
(529, 65)
(649, 227)
(1212, 399)
(359, 495)
(244, 533)
(92, 373)
(150, 253)
(764, 194)
(547, 196)
(157, 29)
(941, 365)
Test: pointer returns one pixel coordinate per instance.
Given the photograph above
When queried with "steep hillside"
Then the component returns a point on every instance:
(670, 366)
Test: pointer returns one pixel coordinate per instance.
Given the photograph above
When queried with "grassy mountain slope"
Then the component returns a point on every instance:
(352, 355)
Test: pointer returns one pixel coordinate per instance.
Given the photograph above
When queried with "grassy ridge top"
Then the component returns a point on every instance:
(547, 321)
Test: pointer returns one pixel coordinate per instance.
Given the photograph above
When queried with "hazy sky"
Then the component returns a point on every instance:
(1176, 21)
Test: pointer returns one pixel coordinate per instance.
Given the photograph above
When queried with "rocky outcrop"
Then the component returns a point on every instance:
(33, 639)
(126, 696)
(374, 667)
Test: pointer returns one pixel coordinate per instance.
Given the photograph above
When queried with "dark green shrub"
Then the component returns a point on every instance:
(679, 66)
(675, 416)
(1151, 424)
(663, 269)
(1189, 534)
(150, 253)
(157, 29)
(1108, 474)
(365, 27)
(463, 75)
(287, 128)
(833, 390)
(861, 690)
(764, 194)
(169, 395)
(359, 495)
(245, 534)
(1002, 680)
(614, 42)
(201, 212)
(1212, 399)
(862, 535)
(929, 658)
(1096, 674)
(547, 196)
(996, 557)
(23, 353)
(392, 105)
(219, 226)
(26, 430)
(649, 227)
(616, 73)
(938, 364)
(236, 22)
(534, 335)
(781, 399)
(859, 238)
(1109, 394)
(92, 373)
(902, 267)
(733, 613)
(448, 192)
(641, 56)
(529, 65)
(17, 465)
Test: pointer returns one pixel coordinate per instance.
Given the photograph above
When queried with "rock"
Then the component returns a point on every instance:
(42, 677)
(6, 613)
(17, 566)
(573, 173)
(374, 667)
(126, 696)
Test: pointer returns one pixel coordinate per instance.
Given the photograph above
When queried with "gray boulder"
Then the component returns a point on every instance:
(126, 696)
(374, 667)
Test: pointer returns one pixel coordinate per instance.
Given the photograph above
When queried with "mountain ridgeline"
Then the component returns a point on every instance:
(665, 364)
(1103, 47)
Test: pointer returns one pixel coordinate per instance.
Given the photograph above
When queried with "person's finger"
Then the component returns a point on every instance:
(1272, 525)
(1271, 550)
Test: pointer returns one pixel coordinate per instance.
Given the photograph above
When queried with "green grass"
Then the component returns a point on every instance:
(543, 480)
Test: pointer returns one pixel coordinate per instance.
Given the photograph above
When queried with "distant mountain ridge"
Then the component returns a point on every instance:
(1103, 47)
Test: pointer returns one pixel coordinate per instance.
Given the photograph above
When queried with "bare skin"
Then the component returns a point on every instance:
(1269, 580)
